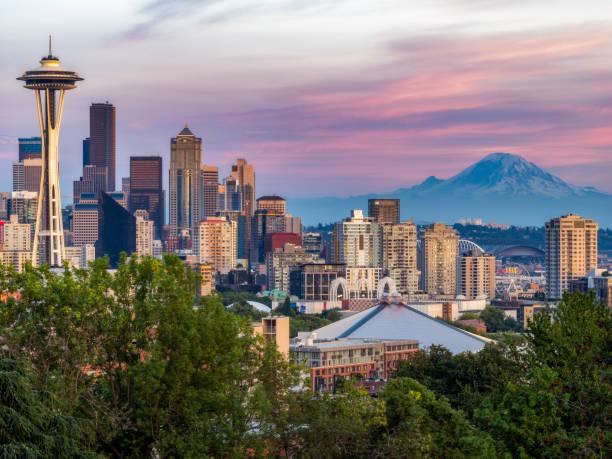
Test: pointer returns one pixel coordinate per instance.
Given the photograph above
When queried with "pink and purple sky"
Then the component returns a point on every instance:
(326, 97)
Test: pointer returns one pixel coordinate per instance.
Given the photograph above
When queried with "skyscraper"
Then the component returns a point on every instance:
(49, 81)
(86, 154)
(476, 275)
(185, 162)
(384, 210)
(102, 140)
(16, 243)
(273, 203)
(399, 255)
(244, 174)
(146, 190)
(231, 196)
(94, 180)
(280, 262)
(262, 223)
(30, 148)
(437, 259)
(116, 230)
(144, 233)
(26, 175)
(217, 244)
(571, 251)
(210, 191)
(357, 241)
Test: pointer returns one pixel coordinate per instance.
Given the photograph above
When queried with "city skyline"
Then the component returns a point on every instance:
(421, 89)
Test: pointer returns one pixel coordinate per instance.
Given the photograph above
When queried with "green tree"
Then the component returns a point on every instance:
(332, 315)
(528, 418)
(496, 321)
(421, 425)
(466, 378)
(30, 423)
(131, 352)
(244, 309)
(285, 309)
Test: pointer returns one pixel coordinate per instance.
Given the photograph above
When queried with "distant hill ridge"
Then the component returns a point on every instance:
(501, 187)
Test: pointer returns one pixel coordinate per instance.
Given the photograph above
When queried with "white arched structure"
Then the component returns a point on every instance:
(363, 282)
(388, 282)
(468, 246)
(335, 285)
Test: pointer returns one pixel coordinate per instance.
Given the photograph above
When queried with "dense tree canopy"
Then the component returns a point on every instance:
(137, 368)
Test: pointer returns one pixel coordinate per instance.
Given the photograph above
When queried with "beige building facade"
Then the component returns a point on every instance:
(280, 262)
(357, 241)
(476, 276)
(438, 265)
(399, 255)
(216, 244)
(571, 251)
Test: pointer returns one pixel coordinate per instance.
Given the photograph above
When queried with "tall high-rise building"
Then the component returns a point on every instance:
(102, 139)
(4, 198)
(279, 264)
(274, 203)
(230, 195)
(85, 223)
(144, 233)
(146, 190)
(26, 175)
(476, 275)
(94, 180)
(185, 162)
(210, 191)
(16, 236)
(357, 241)
(262, 223)
(116, 230)
(24, 204)
(30, 148)
(86, 152)
(244, 174)
(571, 251)
(384, 210)
(125, 184)
(216, 244)
(313, 243)
(312, 281)
(240, 220)
(399, 255)
(15, 248)
(437, 257)
(50, 82)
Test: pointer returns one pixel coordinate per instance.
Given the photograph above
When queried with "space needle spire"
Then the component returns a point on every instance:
(50, 82)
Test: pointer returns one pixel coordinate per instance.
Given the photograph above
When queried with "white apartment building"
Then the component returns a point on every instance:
(357, 241)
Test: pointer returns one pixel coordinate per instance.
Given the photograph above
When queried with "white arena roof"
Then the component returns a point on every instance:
(397, 321)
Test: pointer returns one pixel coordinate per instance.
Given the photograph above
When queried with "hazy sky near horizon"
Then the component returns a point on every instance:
(325, 97)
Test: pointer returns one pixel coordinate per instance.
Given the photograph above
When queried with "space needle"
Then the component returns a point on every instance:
(50, 81)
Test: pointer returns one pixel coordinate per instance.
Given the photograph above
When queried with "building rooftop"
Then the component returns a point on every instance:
(186, 131)
(394, 320)
(259, 306)
(349, 342)
(270, 198)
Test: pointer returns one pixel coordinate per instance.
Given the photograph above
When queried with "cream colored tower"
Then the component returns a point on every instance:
(571, 251)
(399, 255)
(439, 245)
(50, 82)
